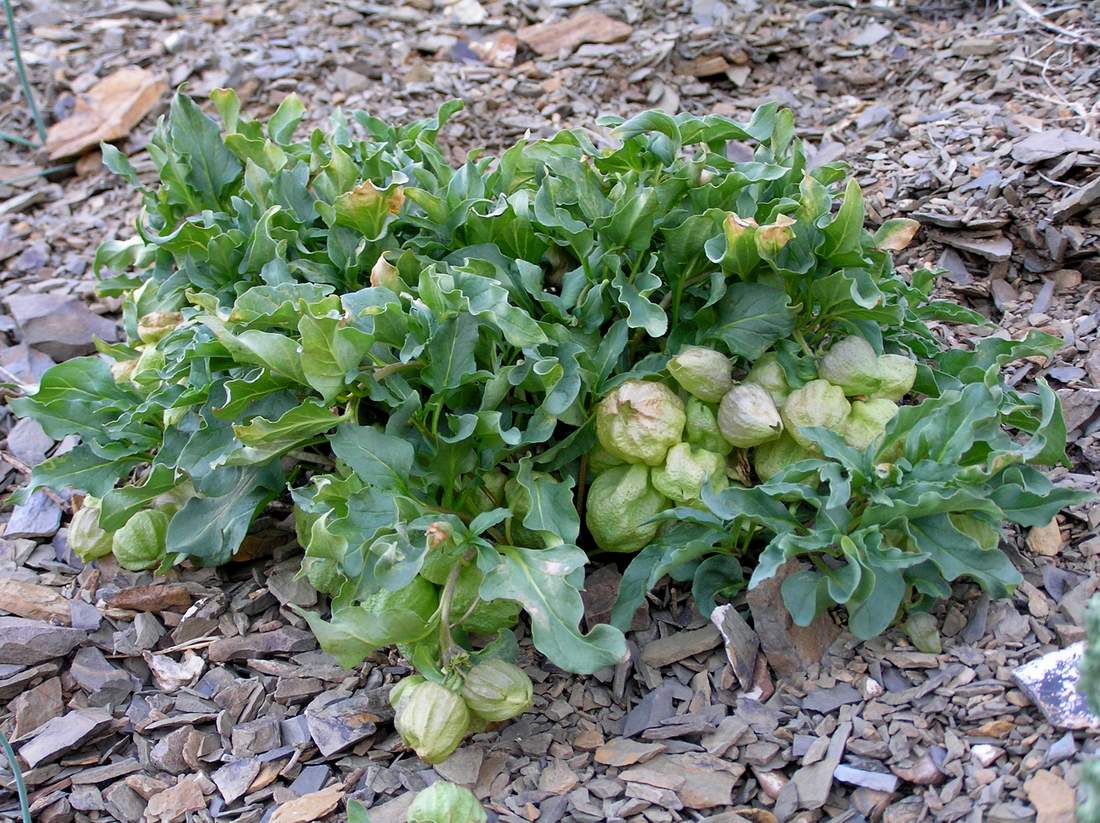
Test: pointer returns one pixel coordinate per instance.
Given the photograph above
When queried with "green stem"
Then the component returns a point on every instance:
(22, 72)
(17, 773)
(802, 343)
(446, 642)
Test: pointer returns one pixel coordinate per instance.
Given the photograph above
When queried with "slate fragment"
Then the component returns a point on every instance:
(59, 325)
(34, 641)
(63, 734)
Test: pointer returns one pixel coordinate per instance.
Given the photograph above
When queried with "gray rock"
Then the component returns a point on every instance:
(1078, 201)
(34, 641)
(124, 803)
(310, 779)
(59, 325)
(84, 616)
(337, 724)
(825, 701)
(233, 779)
(289, 588)
(1046, 145)
(86, 799)
(25, 364)
(63, 734)
(105, 685)
(741, 643)
(287, 640)
(28, 442)
(256, 737)
(655, 707)
(1063, 748)
(877, 781)
(790, 649)
(809, 786)
(107, 772)
(39, 516)
(1050, 682)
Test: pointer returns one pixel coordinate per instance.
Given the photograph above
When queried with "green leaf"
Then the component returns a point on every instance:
(844, 232)
(550, 504)
(357, 812)
(285, 119)
(378, 459)
(354, 633)
(958, 555)
(540, 580)
(751, 317)
(331, 353)
(211, 167)
(451, 353)
(84, 469)
(264, 439)
(119, 504)
(212, 525)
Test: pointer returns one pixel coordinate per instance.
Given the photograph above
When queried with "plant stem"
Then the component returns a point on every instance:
(446, 643)
(22, 72)
(797, 334)
(17, 774)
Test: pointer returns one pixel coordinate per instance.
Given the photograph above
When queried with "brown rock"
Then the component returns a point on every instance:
(790, 649)
(1052, 798)
(63, 734)
(59, 325)
(108, 111)
(33, 601)
(288, 640)
(156, 598)
(37, 706)
(172, 805)
(1045, 540)
(309, 807)
(551, 39)
(622, 752)
(675, 647)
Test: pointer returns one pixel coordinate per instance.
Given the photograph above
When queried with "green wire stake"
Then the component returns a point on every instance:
(22, 71)
(17, 773)
(19, 178)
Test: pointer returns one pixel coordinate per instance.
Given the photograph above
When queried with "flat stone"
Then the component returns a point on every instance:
(622, 752)
(33, 641)
(172, 805)
(256, 737)
(825, 701)
(61, 326)
(335, 725)
(551, 39)
(1077, 201)
(1052, 798)
(876, 781)
(124, 803)
(730, 730)
(287, 640)
(86, 799)
(64, 734)
(741, 642)
(25, 364)
(28, 442)
(654, 707)
(25, 599)
(155, 598)
(311, 779)
(1046, 145)
(39, 516)
(309, 807)
(104, 684)
(37, 706)
(1078, 406)
(289, 588)
(676, 647)
(107, 772)
(791, 650)
(810, 785)
(1050, 682)
(234, 778)
(462, 767)
(997, 248)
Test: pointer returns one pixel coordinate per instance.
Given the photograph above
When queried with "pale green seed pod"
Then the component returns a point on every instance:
(702, 372)
(140, 544)
(768, 459)
(686, 470)
(432, 720)
(897, 374)
(818, 403)
(156, 324)
(851, 364)
(619, 503)
(769, 375)
(867, 421)
(87, 540)
(497, 690)
(748, 417)
(444, 802)
(640, 421)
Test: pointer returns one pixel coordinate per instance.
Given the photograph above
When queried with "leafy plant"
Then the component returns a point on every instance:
(418, 352)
